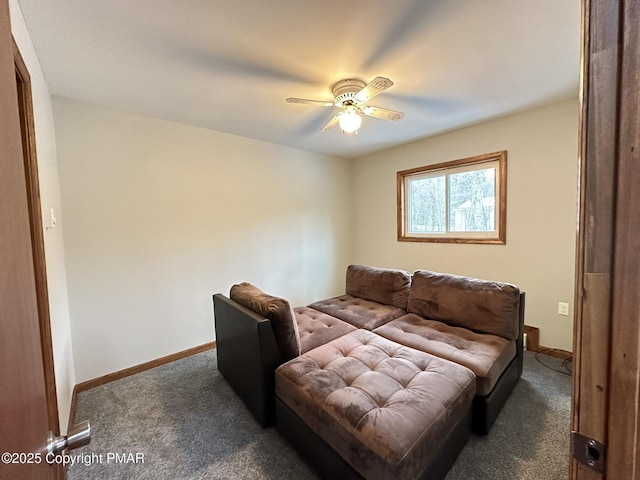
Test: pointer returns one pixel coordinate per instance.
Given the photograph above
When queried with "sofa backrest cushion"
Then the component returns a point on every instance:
(277, 310)
(480, 305)
(383, 285)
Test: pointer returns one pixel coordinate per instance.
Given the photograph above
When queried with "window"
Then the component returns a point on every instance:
(462, 201)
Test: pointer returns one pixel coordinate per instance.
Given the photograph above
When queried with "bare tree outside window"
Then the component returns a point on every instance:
(428, 206)
(472, 201)
(462, 201)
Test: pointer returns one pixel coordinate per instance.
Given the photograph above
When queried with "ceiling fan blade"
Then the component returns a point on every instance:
(332, 123)
(403, 26)
(304, 101)
(373, 88)
(382, 113)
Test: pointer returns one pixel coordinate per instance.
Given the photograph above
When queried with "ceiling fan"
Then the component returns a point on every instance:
(350, 95)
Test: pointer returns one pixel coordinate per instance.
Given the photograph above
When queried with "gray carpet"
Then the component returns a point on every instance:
(186, 423)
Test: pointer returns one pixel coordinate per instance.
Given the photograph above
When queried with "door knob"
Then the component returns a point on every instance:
(77, 436)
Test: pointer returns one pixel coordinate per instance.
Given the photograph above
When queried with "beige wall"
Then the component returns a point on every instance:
(50, 198)
(161, 215)
(541, 211)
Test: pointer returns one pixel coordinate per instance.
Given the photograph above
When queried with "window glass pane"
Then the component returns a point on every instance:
(427, 205)
(472, 201)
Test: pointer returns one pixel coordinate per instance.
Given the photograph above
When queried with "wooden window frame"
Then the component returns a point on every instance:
(501, 197)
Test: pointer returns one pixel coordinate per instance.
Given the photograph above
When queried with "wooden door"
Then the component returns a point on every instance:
(606, 386)
(623, 443)
(25, 398)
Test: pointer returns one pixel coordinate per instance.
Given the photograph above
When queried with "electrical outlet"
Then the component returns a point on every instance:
(563, 308)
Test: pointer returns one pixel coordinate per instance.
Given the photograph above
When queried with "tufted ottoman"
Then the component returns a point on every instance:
(364, 406)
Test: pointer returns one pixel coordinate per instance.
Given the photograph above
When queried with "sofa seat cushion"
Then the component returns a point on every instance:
(383, 285)
(382, 406)
(486, 355)
(358, 311)
(479, 305)
(277, 310)
(317, 328)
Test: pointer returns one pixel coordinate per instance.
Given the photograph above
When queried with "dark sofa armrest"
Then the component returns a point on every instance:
(486, 408)
(247, 356)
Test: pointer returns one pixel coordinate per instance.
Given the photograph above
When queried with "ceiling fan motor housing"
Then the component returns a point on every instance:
(345, 91)
(350, 95)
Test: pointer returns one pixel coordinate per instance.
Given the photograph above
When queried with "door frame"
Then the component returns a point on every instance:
(606, 384)
(27, 129)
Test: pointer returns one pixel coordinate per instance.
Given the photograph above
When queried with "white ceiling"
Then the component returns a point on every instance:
(228, 65)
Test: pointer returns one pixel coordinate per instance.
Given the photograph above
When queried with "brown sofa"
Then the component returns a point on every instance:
(469, 328)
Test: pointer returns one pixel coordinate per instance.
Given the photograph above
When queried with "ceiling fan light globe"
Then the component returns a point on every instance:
(350, 121)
